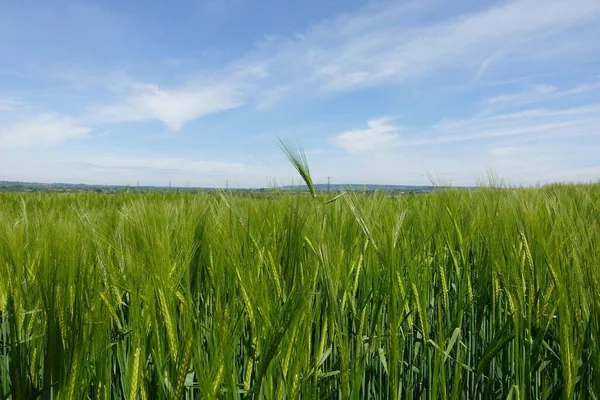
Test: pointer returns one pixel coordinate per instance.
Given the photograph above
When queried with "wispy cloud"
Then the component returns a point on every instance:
(538, 123)
(378, 44)
(543, 123)
(540, 93)
(379, 133)
(10, 104)
(41, 130)
(527, 147)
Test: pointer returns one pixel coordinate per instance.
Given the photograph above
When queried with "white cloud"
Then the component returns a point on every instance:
(576, 121)
(540, 93)
(173, 107)
(41, 130)
(534, 146)
(519, 161)
(532, 95)
(379, 44)
(176, 106)
(379, 133)
(10, 104)
(528, 147)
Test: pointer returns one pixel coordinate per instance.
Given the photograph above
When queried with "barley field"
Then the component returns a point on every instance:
(484, 294)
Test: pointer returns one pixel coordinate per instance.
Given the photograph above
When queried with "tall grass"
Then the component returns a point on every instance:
(485, 294)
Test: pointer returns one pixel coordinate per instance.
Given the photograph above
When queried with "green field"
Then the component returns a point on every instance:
(482, 294)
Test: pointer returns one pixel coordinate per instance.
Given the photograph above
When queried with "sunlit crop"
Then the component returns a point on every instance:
(482, 294)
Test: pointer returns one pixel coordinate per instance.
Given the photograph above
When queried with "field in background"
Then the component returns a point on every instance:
(483, 294)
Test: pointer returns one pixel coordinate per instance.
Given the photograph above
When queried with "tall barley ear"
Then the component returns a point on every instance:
(297, 157)
(421, 314)
(133, 390)
(73, 378)
(184, 364)
(170, 328)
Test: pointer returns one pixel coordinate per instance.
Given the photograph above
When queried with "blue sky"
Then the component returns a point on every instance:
(196, 92)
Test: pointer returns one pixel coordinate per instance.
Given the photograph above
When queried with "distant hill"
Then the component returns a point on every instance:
(12, 186)
(365, 188)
